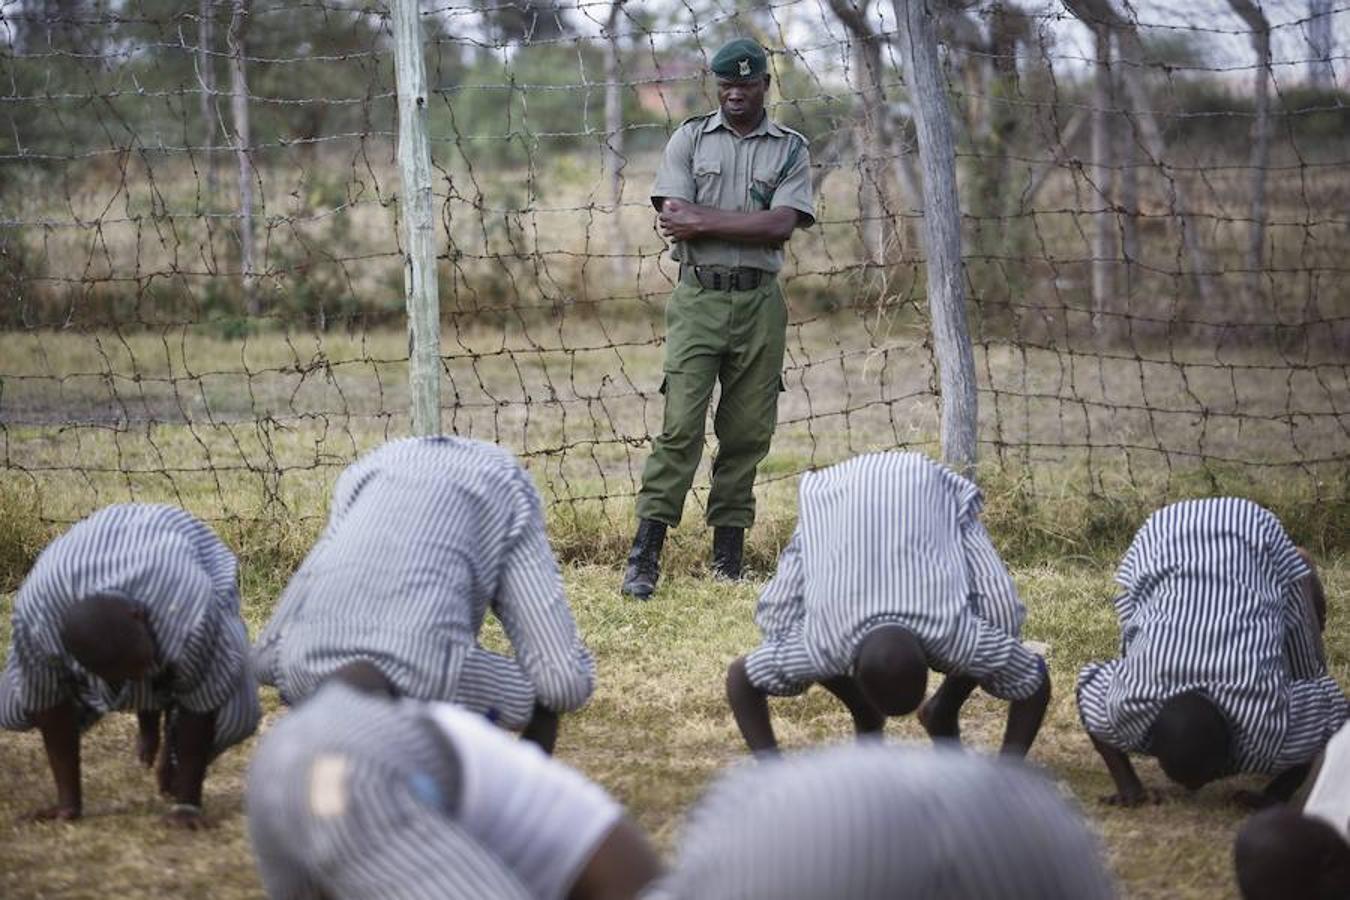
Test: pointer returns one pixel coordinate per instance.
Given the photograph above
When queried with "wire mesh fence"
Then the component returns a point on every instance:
(202, 269)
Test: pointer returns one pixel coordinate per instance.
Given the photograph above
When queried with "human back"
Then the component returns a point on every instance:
(881, 537)
(408, 566)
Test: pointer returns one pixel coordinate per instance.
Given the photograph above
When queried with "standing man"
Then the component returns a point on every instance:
(134, 608)
(732, 187)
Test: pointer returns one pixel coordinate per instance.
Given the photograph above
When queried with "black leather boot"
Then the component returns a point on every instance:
(644, 560)
(727, 546)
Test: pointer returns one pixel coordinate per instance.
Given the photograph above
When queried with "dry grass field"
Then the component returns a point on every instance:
(251, 433)
(655, 732)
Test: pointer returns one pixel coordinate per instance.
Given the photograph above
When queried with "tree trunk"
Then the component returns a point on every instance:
(614, 160)
(942, 227)
(238, 39)
(206, 79)
(1320, 43)
(1260, 155)
(873, 140)
(1104, 307)
(1100, 12)
(1128, 162)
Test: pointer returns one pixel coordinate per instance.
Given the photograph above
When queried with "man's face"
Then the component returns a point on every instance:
(742, 99)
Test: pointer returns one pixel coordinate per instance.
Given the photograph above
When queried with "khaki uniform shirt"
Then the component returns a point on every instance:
(706, 163)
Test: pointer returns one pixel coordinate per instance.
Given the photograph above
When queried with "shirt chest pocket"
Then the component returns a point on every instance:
(707, 180)
(763, 183)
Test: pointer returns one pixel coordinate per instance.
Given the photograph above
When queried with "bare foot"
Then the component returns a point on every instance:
(58, 813)
(1132, 798)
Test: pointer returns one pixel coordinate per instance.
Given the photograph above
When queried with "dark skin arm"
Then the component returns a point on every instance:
(1129, 789)
(750, 707)
(190, 743)
(1280, 789)
(867, 719)
(1024, 720)
(147, 737)
(60, 730)
(620, 867)
(681, 220)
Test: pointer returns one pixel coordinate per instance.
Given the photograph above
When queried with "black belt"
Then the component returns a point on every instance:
(724, 278)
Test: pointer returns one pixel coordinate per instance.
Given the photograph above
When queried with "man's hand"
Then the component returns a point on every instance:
(680, 221)
(59, 813)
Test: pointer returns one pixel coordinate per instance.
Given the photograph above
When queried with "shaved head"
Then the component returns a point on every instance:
(1280, 853)
(109, 635)
(1191, 740)
(892, 669)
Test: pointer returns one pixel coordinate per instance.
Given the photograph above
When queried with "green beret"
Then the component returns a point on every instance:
(741, 58)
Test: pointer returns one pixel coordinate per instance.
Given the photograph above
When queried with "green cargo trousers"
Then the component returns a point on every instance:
(737, 338)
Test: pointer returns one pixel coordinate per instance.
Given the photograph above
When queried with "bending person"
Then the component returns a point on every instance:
(888, 574)
(134, 608)
(1221, 668)
(873, 822)
(358, 794)
(425, 535)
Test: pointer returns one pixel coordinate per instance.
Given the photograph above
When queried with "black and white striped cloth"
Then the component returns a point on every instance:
(875, 822)
(350, 796)
(891, 538)
(1212, 603)
(424, 536)
(178, 569)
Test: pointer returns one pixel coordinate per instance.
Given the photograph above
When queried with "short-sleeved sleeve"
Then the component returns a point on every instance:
(781, 665)
(1094, 683)
(533, 609)
(42, 680)
(1317, 710)
(207, 673)
(675, 177)
(794, 190)
(1003, 666)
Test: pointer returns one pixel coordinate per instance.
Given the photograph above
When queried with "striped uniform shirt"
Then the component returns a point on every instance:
(891, 538)
(360, 796)
(424, 536)
(874, 822)
(174, 565)
(1212, 602)
(1329, 799)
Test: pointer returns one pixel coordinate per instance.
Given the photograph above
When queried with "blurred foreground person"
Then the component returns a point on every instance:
(885, 822)
(890, 573)
(1222, 669)
(134, 608)
(424, 536)
(1281, 853)
(359, 794)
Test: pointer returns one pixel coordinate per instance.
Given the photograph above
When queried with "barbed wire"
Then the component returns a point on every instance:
(1152, 300)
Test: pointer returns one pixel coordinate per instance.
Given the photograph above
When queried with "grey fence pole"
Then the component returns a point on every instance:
(419, 221)
(942, 230)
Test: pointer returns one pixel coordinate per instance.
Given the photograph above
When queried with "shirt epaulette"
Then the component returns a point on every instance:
(699, 118)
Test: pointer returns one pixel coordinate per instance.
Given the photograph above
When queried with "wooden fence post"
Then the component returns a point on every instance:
(942, 228)
(419, 221)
